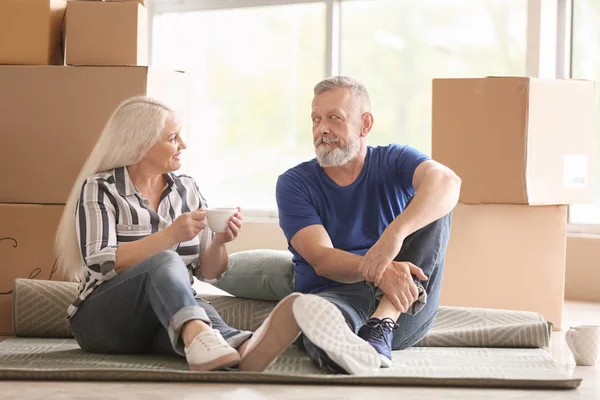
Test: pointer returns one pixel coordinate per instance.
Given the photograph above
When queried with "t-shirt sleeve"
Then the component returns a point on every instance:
(404, 160)
(295, 208)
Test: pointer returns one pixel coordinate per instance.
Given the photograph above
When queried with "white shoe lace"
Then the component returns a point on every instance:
(212, 341)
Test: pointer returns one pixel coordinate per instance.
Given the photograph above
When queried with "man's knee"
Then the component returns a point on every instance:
(427, 244)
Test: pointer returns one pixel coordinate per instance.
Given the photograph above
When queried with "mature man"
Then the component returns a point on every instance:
(368, 228)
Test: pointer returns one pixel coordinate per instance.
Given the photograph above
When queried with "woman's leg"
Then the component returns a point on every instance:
(122, 314)
(234, 337)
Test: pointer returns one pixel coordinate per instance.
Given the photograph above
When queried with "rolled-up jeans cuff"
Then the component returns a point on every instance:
(415, 307)
(179, 319)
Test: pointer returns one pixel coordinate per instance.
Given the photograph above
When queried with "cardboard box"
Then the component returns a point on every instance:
(51, 117)
(27, 235)
(30, 31)
(507, 257)
(106, 33)
(517, 140)
(583, 268)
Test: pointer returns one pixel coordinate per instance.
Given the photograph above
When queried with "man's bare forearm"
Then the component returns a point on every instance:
(338, 265)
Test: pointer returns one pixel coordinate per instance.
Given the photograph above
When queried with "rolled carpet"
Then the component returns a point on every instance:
(39, 310)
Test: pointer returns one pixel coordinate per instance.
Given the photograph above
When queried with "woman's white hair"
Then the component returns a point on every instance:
(133, 128)
(360, 95)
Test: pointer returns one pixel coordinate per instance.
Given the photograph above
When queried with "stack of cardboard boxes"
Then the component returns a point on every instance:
(51, 115)
(524, 149)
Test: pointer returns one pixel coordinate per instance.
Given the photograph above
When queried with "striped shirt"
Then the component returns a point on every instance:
(111, 211)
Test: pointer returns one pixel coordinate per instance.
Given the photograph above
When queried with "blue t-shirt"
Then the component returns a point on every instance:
(354, 216)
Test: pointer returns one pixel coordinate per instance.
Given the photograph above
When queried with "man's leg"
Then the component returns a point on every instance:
(329, 321)
(426, 249)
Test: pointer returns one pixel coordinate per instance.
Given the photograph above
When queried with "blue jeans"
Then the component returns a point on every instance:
(425, 248)
(144, 308)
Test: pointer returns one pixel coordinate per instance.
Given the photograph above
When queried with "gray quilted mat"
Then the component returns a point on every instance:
(39, 310)
(62, 359)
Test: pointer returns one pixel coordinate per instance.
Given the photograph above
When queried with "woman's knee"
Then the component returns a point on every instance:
(166, 260)
(169, 257)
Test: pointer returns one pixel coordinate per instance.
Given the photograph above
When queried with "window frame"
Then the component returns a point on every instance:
(548, 52)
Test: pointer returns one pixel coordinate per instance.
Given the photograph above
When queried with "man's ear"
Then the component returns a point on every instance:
(367, 124)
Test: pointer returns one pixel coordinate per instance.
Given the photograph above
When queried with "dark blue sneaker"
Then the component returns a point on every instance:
(378, 333)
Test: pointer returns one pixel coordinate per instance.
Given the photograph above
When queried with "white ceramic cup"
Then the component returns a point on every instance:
(218, 218)
(584, 342)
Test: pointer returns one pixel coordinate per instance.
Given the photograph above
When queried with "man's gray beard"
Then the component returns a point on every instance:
(338, 156)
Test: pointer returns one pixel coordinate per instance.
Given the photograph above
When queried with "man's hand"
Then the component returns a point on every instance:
(378, 258)
(398, 284)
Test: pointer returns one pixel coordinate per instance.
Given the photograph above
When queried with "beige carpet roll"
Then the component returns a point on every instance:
(39, 310)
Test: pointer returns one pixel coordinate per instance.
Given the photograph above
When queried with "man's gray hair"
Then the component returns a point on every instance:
(359, 91)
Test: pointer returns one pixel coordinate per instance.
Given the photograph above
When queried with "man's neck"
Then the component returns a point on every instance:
(347, 174)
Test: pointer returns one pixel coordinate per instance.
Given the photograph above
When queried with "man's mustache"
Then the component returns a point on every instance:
(326, 139)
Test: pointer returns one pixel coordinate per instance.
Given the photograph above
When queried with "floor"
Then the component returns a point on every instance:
(575, 313)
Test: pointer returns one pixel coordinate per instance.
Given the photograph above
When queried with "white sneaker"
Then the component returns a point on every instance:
(209, 351)
(271, 339)
(324, 325)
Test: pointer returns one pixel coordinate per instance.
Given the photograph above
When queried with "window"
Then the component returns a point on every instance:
(396, 48)
(252, 72)
(585, 64)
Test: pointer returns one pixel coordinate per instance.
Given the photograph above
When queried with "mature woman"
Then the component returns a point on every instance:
(133, 232)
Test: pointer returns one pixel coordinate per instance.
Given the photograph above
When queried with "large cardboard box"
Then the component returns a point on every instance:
(30, 31)
(582, 281)
(51, 117)
(27, 235)
(507, 257)
(106, 33)
(516, 140)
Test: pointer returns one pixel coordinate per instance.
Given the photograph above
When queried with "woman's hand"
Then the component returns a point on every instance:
(186, 226)
(233, 228)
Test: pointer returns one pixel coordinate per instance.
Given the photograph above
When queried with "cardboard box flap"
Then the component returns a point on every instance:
(558, 152)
